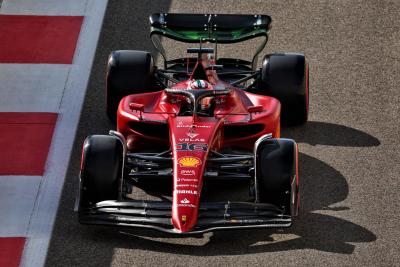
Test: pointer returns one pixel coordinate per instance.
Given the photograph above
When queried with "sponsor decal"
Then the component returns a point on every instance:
(195, 126)
(186, 180)
(192, 140)
(192, 135)
(187, 185)
(187, 192)
(189, 161)
(234, 121)
(191, 147)
(185, 201)
(188, 172)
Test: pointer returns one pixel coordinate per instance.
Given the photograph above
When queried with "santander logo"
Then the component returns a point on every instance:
(185, 201)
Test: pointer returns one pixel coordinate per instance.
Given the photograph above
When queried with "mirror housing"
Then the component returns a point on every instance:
(255, 109)
(136, 106)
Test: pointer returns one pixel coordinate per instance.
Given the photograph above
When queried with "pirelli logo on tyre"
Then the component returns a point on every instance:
(189, 161)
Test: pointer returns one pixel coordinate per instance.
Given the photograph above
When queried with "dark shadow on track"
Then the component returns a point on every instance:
(324, 133)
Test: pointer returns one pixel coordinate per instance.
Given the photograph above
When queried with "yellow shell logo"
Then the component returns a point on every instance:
(189, 162)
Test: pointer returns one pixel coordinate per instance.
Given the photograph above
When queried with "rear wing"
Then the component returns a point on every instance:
(212, 28)
(221, 28)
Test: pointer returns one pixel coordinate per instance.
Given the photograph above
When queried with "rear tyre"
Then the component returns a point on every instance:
(285, 77)
(128, 72)
(277, 173)
(101, 169)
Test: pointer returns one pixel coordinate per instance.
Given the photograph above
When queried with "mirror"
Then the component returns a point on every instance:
(136, 106)
(254, 109)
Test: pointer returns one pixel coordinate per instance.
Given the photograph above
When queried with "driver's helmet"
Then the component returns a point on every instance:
(198, 84)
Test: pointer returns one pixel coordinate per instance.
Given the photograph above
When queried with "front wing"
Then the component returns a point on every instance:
(212, 216)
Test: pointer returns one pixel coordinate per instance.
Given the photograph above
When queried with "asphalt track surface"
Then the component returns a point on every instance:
(349, 148)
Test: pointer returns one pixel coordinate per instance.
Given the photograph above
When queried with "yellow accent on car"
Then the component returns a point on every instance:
(189, 162)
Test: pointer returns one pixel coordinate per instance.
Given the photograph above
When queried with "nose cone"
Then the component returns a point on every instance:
(184, 219)
(191, 141)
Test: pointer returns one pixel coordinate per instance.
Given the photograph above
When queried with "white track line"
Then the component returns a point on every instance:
(40, 87)
(16, 211)
(44, 7)
(41, 225)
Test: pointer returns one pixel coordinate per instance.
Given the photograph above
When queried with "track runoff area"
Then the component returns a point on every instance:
(348, 148)
(46, 52)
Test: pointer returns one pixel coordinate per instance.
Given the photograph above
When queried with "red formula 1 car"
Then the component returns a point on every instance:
(199, 119)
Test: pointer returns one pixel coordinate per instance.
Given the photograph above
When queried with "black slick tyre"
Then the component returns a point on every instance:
(277, 173)
(285, 77)
(101, 170)
(128, 72)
